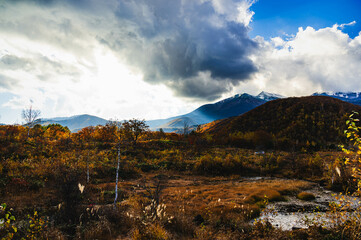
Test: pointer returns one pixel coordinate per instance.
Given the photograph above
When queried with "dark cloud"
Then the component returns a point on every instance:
(187, 45)
(174, 41)
(201, 87)
(42, 2)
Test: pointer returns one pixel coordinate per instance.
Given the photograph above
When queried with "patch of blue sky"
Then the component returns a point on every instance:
(284, 17)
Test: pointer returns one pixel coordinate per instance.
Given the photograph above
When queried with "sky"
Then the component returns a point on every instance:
(152, 59)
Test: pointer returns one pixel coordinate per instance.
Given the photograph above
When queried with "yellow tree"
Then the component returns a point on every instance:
(354, 149)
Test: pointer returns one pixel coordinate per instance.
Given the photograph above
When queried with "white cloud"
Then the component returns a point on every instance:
(238, 11)
(347, 24)
(326, 59)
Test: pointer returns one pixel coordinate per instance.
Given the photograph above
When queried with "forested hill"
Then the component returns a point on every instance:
(315, 121)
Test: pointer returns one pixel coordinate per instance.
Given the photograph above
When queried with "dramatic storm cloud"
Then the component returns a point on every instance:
(198, 48)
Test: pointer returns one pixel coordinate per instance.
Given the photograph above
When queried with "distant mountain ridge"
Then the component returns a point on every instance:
(233, 106)
(75, 123)
(351, 97)
(229, 107)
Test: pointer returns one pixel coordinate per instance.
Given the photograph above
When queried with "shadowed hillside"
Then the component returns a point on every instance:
(311, 122)
(228, 107)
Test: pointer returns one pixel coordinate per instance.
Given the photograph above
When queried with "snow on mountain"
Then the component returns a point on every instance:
(340, 95)
(232, 106)
(269, 96)
(229, 107)
(351, 97)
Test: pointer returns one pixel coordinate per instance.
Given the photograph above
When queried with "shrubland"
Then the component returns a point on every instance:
(61, 185)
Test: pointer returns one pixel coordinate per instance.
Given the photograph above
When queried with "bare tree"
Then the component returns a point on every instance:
(30, 115)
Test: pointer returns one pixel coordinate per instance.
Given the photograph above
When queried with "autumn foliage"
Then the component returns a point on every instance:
(311, 123)
(171, 186)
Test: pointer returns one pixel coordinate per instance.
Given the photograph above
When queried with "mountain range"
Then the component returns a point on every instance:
(351, 97)
(229, 107)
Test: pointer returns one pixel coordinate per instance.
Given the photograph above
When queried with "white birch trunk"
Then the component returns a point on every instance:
(116, 178)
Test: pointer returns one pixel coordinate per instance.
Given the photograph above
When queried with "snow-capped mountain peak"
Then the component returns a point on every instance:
(340, 95)
(268, 96)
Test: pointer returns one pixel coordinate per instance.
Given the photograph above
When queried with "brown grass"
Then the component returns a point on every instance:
(212, 196)
(223, 203)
